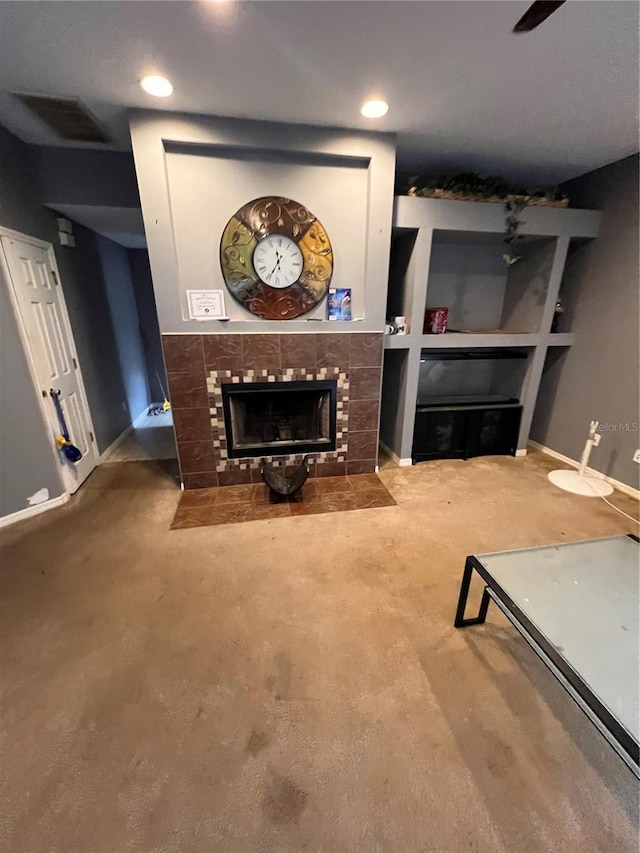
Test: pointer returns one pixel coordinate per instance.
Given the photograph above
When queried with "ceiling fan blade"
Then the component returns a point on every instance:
(536, 14)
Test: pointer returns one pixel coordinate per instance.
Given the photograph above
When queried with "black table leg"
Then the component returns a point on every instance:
(460, 621)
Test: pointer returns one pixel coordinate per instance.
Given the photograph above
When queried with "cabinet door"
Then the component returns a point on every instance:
(493, 431)
(439, 434)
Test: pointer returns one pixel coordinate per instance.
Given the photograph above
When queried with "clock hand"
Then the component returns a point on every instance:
(277, 266)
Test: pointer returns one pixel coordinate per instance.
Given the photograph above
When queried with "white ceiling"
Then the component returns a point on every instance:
(464, 91)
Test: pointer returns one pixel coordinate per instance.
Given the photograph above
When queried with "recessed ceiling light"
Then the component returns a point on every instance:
(374, 109)
(157, 86)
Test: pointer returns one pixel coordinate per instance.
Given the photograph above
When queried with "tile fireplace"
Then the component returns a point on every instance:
(270, 418)
(320, 397)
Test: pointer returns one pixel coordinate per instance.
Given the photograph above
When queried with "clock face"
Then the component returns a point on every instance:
(276, 258)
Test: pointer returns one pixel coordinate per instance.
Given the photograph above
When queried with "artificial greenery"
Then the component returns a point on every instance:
(512, 221)
(468, 183)
(471, 183)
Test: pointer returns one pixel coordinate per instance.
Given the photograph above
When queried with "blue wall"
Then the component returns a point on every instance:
(123, 308)
(85, 291)
(149, 328)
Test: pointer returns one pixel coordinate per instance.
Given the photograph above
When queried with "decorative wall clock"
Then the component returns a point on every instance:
(276, 258)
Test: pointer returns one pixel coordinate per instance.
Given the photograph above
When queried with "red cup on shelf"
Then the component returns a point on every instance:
(435, 321)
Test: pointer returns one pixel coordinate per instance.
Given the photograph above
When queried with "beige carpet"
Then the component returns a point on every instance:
(293, 684)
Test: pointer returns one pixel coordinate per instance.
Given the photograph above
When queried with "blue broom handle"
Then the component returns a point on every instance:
(56, 402)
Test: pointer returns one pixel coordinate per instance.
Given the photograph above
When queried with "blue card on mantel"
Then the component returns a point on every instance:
(339, 303)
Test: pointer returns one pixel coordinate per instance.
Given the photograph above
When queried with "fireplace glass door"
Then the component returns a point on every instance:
(279, 418)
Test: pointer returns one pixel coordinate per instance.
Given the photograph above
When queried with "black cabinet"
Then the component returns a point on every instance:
(460, 432)
(493, 431)
(439, 434)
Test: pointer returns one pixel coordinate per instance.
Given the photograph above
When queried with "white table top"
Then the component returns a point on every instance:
(584, 598)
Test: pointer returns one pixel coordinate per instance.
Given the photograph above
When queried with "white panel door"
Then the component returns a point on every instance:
(51, 350)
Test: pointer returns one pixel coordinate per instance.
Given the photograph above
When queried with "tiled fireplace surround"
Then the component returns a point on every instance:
(198, 364)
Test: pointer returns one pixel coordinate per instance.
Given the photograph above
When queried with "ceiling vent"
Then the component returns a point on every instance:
(68, 118)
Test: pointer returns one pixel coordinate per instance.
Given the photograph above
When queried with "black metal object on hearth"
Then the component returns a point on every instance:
(283, 485)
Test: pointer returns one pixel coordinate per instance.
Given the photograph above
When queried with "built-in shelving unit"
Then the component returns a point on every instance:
(449, 254)
(560, 339)
(453, 340)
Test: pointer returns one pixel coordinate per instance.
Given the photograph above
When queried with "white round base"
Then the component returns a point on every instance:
(572, 481)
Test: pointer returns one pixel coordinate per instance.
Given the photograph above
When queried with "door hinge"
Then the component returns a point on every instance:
(55, 277)
(91, 436)
(75, 363)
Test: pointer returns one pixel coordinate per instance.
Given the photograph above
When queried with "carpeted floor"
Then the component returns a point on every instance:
(296, 683)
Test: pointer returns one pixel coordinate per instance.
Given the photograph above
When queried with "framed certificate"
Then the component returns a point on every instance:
(206, 305)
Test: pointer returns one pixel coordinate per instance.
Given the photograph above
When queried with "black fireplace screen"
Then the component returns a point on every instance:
(279, 418)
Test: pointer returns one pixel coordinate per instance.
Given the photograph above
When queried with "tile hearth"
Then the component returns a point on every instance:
(231, 504)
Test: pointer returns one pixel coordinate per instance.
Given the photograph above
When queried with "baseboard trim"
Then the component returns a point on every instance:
(401, 463)
(30, 511)
(622, 487)
(137, 421)
(118, 441)
(126, 432)
(521, 452)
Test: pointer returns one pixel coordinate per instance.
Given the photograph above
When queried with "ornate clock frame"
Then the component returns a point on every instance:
(243, 232)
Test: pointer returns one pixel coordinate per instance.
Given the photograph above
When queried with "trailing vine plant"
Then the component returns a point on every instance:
(513, 209)
(471, 186)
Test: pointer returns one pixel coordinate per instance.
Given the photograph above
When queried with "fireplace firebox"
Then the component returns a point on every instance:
(279, 418)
